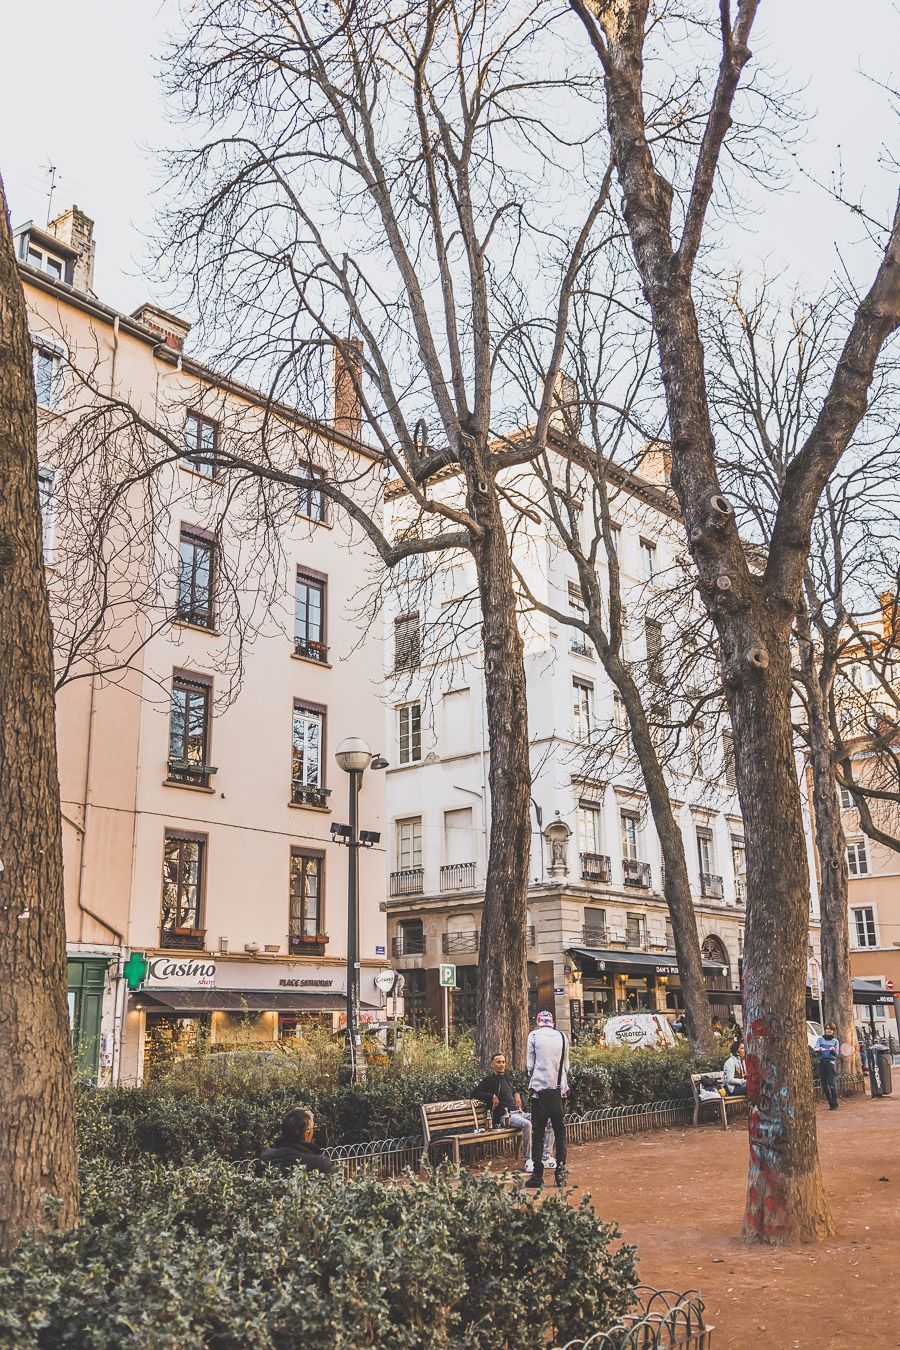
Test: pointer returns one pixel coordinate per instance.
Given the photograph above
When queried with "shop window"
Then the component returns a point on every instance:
(415, 1001)
(462, 999)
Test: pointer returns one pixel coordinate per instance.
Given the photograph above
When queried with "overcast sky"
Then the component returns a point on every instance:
(78, 90)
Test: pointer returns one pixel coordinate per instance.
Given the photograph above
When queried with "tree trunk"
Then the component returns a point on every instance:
(677, 885)
(837, 981)
(37, 1124)
(502, 998)
(785, 1196)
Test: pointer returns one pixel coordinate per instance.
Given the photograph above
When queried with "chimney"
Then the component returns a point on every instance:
(347, 409)
(655, 463)
(172, 330)
(76, 229)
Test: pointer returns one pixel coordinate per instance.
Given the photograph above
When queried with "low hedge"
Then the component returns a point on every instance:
(213, 1258)
(236, 1118)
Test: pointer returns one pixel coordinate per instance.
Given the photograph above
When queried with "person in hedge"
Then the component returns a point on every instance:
(735, 1075)
(497, 1093)
(295, 1147)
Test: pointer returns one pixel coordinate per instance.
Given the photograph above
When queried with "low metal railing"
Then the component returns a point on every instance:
(596, 867)
(593, 935)
(711, 886)
(459, 942)
(636, 873)
(458, 876)
(409, 944)
(409, 881)
(663, 1320)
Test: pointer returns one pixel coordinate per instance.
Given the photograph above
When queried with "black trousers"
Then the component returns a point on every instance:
(547, 1105)
(827, 1076)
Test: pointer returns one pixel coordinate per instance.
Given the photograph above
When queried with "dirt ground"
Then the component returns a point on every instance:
(678, 1195)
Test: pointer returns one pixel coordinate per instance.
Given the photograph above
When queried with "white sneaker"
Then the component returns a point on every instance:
(550, 1164)
(529, 1166)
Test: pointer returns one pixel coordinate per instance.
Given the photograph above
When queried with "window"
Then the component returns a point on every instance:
(697, 735)
(653, 637)
(620, 722)
(615, 534)
(47, 502)
(309, 616)
(864, 927)
(47, 365)
(582, 709)
(184, 860)
(628, 821)
(459, 840)
(189, 730)
(578, 642)
(670, 936)
(407, 641)
(705, 853)
(594, 924)
(310, 501)
(409, 843)
(200, 444)
(306, 919)
(739, 864)
(307, 756)
(590, 831)
(857, 858)
(409, 722)
(196, 570)
(729, 760)
(648, 560)
(846, 799)
(635, 930)
(45, 261)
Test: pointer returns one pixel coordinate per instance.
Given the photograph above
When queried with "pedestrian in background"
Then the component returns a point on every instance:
(828, 1048)
(547, 1063)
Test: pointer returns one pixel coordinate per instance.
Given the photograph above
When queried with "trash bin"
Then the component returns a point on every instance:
(879, 1070)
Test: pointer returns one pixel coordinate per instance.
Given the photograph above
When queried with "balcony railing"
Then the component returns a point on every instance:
(183, 939)
(711, 886)
(529, 935)
(458, 877)
(593, 935)
(302, 944)
(636, 938)
(595, 867)
(636, 873)
(409, 881)
(302, 794)
(459, 942)
(579, 647)
(185, 771)
(740, 891)
(409, 944)
(662, 944)
(313, 651)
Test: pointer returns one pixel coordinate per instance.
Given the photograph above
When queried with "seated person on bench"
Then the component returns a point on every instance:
(735, 1079)
(495, 1090)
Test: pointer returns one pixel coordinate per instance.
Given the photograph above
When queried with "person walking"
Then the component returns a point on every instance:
(829, 1048)
(498, 1095)
(548, 1063)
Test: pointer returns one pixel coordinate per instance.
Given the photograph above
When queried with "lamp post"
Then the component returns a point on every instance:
(354, 757)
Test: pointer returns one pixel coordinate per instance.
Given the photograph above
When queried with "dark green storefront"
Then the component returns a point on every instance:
(87, 981)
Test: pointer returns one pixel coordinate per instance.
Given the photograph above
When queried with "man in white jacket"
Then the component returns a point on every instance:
(548, 1064)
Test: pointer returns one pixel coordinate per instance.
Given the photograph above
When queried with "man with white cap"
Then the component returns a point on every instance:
(547, 1063)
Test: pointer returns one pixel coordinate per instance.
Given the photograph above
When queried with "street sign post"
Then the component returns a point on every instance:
(448, 982)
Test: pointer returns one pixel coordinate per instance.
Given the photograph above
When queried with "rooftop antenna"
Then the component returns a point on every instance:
(52, 170)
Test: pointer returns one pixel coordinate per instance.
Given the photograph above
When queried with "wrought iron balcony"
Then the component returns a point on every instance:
(409, 881)
(303, 944)
(662, 944)
(313, 651)
(183, 939)
(459, 942)
(596, 867)
(711, 886)
(304, 794)
(636, 938)
(458, 877)
(594, 935)
(579, 646)
(636, 873)
(409, 944)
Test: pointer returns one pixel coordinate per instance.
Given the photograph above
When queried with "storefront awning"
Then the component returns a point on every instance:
(242, 1000)
(641, 963)
(866, 992)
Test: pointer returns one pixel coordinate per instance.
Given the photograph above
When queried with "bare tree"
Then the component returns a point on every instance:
(38, 1168)
(753, 613)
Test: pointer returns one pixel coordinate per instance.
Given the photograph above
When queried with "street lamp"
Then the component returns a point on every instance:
(354, 757)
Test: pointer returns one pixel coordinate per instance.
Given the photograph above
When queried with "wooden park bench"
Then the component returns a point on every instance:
(720, 1103)
(461, 1124)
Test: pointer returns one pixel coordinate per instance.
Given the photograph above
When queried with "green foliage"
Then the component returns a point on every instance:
(211, 1258)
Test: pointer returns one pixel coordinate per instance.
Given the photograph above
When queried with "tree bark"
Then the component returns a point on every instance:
(502, 996)
(38, 1164)
(677, 888)
(837, 980)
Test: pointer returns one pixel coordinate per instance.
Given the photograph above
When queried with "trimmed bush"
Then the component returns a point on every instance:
(212, 1258)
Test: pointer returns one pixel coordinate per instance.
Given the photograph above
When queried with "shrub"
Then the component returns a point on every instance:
(211, 1258)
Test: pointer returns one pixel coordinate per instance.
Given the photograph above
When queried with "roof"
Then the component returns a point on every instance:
(46, 240)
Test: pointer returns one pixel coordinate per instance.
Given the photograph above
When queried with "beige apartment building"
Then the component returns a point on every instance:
(198, 812)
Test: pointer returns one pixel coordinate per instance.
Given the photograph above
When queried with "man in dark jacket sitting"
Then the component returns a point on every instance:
(495, 1090)
(295, 1147)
